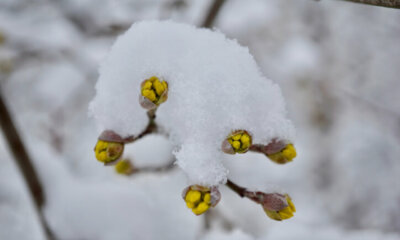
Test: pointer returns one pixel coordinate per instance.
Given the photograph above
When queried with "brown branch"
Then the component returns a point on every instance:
(269, 201)
(150, 128)
(380, 3)
(241, 191)
(24, 163)
(255, 196)
(212, 13)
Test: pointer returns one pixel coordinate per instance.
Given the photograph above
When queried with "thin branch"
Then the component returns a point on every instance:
(212, 13)
(269, 201)
(241, 191)
(150, 128)
(380, 3)
(24, 163)
(255, 196)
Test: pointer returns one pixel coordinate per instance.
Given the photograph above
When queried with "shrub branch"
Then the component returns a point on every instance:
(24, 163)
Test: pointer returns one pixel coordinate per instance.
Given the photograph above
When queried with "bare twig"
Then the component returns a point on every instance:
(241, 191)
(269, 201)
(24, 163)
(212, 13)
(150, 128)
(381, 3)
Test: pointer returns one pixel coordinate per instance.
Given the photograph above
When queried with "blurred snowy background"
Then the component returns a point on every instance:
(338, 65)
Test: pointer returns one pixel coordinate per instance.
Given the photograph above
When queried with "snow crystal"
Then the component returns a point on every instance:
(214, 85)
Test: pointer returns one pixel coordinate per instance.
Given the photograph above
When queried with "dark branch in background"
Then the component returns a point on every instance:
(159, 169)
(24, 163)
(212, 13)
(381, 3)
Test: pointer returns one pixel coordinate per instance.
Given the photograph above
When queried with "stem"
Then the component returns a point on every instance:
(258, 148)
(381, 3)
(212, 13)
(241, 191)
(255, 196)
(24, 163)
(151, 128)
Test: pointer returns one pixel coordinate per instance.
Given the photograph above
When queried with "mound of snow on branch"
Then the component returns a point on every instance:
(214, 85)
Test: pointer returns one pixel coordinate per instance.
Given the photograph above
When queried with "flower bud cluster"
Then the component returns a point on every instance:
(237, 142)
(210, 103)
(153, 92)
(200, 198)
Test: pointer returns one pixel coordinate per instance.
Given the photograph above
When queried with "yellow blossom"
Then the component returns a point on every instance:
(285, 155)
(284, 213)
(124, 167)
(108, 151)
(154, 90)
(237, 142)
(199, 198)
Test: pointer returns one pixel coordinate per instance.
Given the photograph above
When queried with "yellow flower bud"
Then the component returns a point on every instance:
(109, 147)
(200, 198)
(277, 206)
(284, 213)
(285, 155)
(107, 152)
(237, 142)
(124, 167)
(153, 92)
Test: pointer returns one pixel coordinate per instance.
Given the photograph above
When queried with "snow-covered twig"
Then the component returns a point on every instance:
(179, 82)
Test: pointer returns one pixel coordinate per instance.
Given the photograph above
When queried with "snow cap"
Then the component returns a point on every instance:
(214, 88)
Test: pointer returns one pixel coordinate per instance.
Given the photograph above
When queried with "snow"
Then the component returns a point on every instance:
(215, 87)
(128, 209)
(162, 157)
